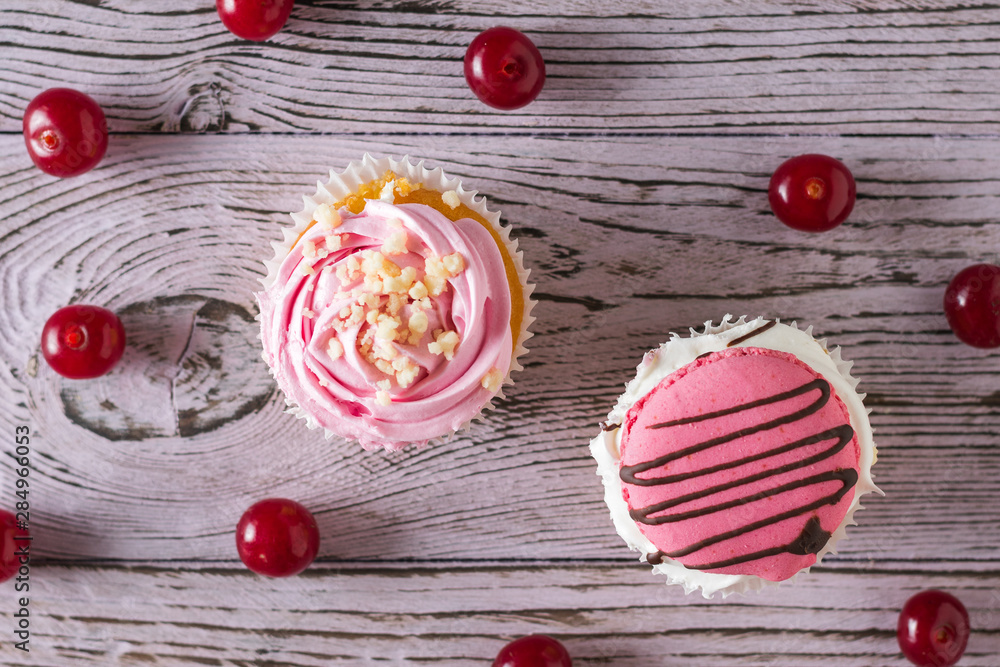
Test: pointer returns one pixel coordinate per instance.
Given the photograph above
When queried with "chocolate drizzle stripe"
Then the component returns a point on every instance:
(755, 332)
(848, 477)
(818, 383)
(628, 473)
(829, 476)
(810, 541)
(655, 558)
(843, 434)
(804, 442)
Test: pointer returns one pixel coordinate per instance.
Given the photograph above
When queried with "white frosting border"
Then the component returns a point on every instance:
(678, 352)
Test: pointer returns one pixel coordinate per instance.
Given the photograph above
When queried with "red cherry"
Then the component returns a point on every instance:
(972, 305)
(504, 69)
(812, 193)
(65, 131)
(10, 561)
(255, 20)
(83, 341)
(533, 651)
(277, 537)
(933, 629)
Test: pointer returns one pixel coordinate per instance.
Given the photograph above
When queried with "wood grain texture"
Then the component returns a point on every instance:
(636, 184)
(768, 67)
(626, 245)
(460, 617)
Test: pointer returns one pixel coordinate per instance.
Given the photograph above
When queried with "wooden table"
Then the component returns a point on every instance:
(636, 184)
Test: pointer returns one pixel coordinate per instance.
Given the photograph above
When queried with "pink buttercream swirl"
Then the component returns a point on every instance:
(317, 289)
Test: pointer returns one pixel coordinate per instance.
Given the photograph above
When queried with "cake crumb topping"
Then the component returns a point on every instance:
(395, 244)
(418, 322)
(493, 380)
(444, 343)
(451, 198)
(333, 242)
(406, 376)
(454, 264)
(377, 189)
(418, 291)
(388, 303)
(437, 271)
(404, 187)
(327, 216)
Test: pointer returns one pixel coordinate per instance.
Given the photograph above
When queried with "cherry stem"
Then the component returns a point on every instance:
(49, 140)
(945, 635)
(74, 337)
(815, 188)
(511, 68)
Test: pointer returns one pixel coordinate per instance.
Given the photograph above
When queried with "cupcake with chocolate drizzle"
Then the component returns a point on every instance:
(737, 456)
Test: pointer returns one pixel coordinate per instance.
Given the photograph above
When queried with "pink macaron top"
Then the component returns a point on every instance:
(361, 352)
(741, 462)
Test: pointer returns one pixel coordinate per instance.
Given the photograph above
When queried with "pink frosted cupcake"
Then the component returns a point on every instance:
(397, 306)
(736, 457)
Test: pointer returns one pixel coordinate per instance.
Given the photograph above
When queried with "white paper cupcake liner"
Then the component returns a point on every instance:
(678, 352)
(341, 185)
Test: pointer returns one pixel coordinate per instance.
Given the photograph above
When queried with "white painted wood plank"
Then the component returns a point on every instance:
(605, 615)
(371, 66)
(628, 239)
